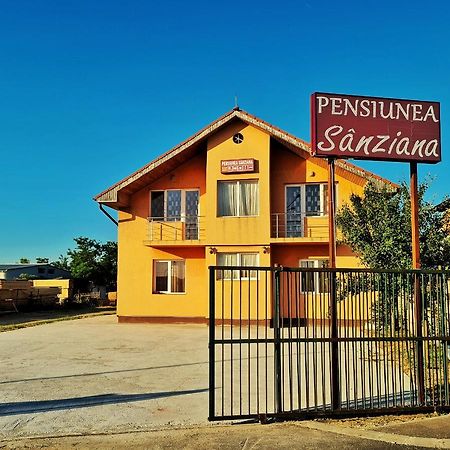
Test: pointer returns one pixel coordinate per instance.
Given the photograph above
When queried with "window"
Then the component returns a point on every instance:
(41, 270)
(174, 205)
(307, 200)
(51, 271)
(314, 281)
(237, 259)
(238, 198)
(169, 277)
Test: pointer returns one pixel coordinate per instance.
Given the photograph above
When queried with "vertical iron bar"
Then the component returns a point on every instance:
(212, 357)
(335, 381)
(249, 361)
(223, 337)
(290, 311)
(231, 340)
(257, 340)
(277, 343)
(240, 341)
(418, 302)
(266, 320)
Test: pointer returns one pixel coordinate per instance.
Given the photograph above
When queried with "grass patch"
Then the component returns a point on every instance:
(15, 321)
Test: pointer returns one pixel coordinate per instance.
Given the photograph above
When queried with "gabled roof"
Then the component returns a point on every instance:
(117, 195)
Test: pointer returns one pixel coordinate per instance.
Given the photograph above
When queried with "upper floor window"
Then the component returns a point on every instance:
(238, 198)
(307, 199)
(174, 204)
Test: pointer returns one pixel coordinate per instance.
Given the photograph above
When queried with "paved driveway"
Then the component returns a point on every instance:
(94, 375)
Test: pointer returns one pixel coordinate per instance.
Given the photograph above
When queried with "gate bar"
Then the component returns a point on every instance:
(277, 341)
(335, 376)
(212, 335)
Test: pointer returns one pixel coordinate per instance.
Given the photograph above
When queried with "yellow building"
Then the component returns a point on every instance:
(238, 192)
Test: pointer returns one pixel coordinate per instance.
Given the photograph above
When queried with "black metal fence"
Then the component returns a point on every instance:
(294, 342)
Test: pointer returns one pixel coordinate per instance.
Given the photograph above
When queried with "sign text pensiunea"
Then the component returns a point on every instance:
(346, 126)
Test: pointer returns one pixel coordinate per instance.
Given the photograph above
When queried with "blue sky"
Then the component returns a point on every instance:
(92, 90)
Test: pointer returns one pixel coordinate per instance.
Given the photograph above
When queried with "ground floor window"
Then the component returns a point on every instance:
(169, 277)
(237, 259)
(314, 281)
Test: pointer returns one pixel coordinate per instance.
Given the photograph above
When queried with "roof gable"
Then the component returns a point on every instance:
(117, 195)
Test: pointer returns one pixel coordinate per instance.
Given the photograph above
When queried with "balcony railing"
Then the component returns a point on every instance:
(310, 224)
(176, 228)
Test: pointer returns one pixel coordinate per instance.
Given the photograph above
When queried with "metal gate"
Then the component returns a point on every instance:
(308, 342)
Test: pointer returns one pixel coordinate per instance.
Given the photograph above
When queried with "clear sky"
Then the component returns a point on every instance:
(92, 90)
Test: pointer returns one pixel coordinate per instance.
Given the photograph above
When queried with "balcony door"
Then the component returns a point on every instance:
(176, 205)
(192, 198)
(293, 211)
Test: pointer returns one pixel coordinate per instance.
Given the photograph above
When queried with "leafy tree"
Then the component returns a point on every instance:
(377, 227)
(91, 261)
(41, 260)
(24, 261)
(62, 263)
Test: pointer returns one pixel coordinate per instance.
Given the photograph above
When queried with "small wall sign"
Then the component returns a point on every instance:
(237, 165)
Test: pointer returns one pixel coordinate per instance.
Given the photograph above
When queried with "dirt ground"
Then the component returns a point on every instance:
(92, 383)
(243, 437)
(94, 375)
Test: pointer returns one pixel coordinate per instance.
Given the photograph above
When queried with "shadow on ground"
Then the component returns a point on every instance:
(10, 409)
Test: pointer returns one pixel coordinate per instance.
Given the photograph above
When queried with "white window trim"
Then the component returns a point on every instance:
(169, 272)
(239, 256)
(183, 202)
(251, 180)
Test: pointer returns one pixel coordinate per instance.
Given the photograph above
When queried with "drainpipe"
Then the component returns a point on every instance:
(110, 217)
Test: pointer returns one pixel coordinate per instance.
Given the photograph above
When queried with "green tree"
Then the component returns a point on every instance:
(24, 261)
(377, 227)
(93, 261)
(41, 260)
(62, 263)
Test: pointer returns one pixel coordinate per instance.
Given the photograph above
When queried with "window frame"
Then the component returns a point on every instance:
(183, 204)
(316, 278)
(234, 271)
(238, 182)
(323, 203)
(169, 275)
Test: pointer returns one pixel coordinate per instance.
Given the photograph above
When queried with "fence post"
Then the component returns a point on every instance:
(335, 372)
(418, 307)
(212, 335)
(277, 342)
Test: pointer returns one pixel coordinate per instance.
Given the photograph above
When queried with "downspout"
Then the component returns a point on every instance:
(110, 217)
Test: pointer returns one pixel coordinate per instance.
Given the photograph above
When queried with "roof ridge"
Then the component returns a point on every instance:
(285, 136)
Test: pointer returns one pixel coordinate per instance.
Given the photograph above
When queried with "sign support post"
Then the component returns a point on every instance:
(335, 376)
(418, 307)
(383, 129)
(331, 212)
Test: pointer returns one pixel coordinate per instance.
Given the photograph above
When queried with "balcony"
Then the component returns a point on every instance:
(299, 226)
(175, 230)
